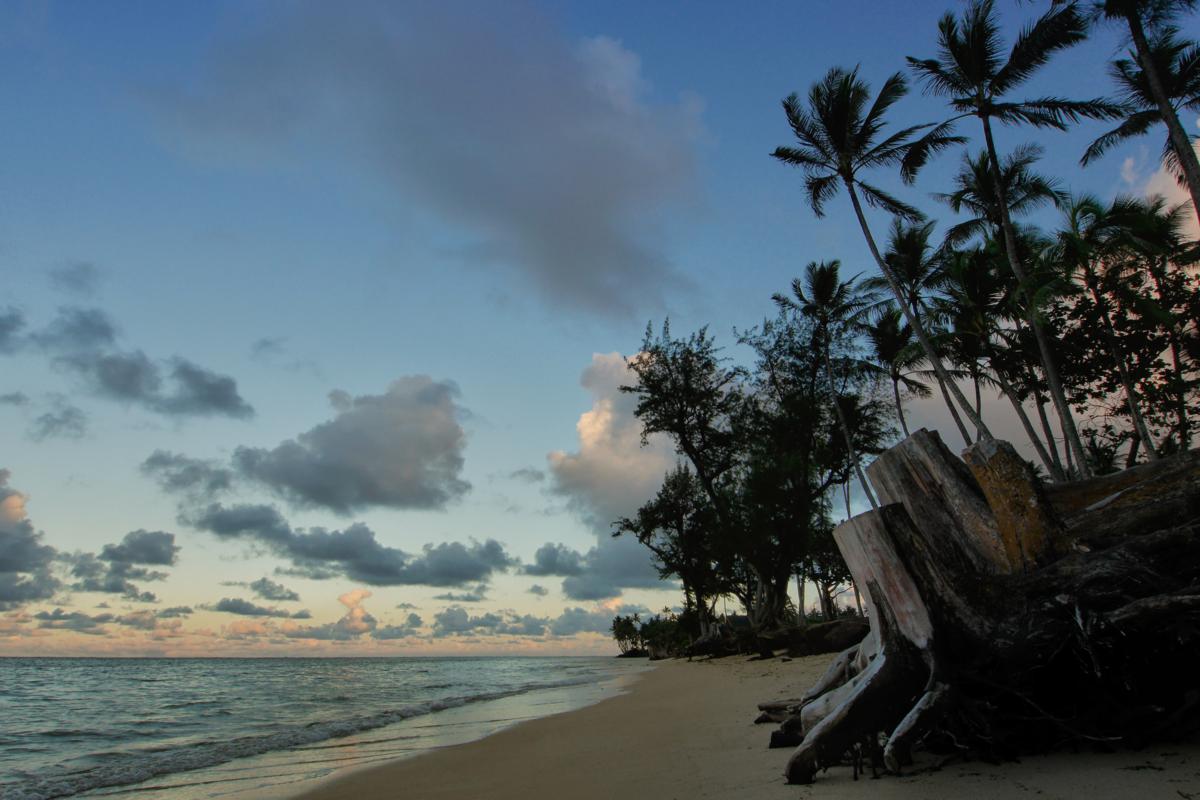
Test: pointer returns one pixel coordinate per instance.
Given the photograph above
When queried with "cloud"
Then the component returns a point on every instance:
(401, 449)
(267, 347)
(268, 589)
(559, 165)
(608, 477)
(175, 611)
(475, 595)
(118, 565)
(354, 624)
(612, 473)
(82, 341)
(1162, 183)
(354, 552)
(77, 330)
(143, 547)
(457, 621)
(11, 323)
(577, 620)
(14, 399)
(244, 608)
(193, 477)
(538, 589)
(555, 559)
(75, 277)
(410, 627)
(64, 421)
(73, 621)
(25, 562)
(528, 475)
(406, 606)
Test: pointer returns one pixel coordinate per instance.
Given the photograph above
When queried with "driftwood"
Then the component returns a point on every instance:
(1007, 616)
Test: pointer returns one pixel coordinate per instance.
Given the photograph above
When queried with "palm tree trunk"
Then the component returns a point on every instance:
(1181, 143)
(978, 398)
(1039, 334)
(1053, 469)
(851, 453)
(801, 619)
(899, 405)
(912, 320)
(962, 429)
(1039, 403)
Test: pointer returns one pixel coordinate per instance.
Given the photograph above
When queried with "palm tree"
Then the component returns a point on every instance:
(972, 71)
(837, 308)
(838, 138)
(892, 346)
(916, 266)
(1161, 81)
(975, 192)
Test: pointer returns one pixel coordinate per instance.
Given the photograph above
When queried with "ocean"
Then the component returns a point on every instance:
(185, 729)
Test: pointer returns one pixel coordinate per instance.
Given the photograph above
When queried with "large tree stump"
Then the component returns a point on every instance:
(1007, 616)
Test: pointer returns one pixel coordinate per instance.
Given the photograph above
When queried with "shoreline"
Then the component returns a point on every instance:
(685, 730)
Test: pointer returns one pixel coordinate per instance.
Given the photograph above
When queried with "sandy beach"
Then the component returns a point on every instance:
(685, 730)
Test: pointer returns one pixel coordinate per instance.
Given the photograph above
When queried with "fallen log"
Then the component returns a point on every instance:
(1007, 616)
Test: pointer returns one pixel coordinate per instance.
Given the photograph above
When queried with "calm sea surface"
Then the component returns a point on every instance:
(183, 729)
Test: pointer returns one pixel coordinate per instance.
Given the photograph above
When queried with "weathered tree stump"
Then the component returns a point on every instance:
(1007, 616)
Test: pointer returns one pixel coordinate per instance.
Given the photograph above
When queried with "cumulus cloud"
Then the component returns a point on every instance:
(25, 562)
(555, 559)
(400, 449)
(143, 547)
(192, 477)
(457, 621)
(356, 622)
(118, 565)
(354, 552)
(75, 277)
(608, 477)
(612, 473)
(14, 399)
(244, 608)
(73, 621)
(538, 590)
(580, 164)
(476, 595)
(268, 589)
(410, 627)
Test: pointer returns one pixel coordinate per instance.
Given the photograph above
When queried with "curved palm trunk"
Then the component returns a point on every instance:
(962, 429)
(851, 453)
(1039, 403)
(1039, 333)
(913, 321)
(1180, 141)
(978, 396)
(899, 405)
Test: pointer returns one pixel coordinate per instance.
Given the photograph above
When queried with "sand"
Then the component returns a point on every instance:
(685, 730)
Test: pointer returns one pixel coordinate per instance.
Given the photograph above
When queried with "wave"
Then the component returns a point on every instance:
(135, 766)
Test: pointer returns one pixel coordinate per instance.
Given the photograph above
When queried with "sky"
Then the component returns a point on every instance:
(314, 316)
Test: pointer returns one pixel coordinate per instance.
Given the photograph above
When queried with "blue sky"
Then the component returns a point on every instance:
(496, 196)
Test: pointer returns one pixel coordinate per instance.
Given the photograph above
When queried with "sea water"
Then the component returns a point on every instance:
(185, 729)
